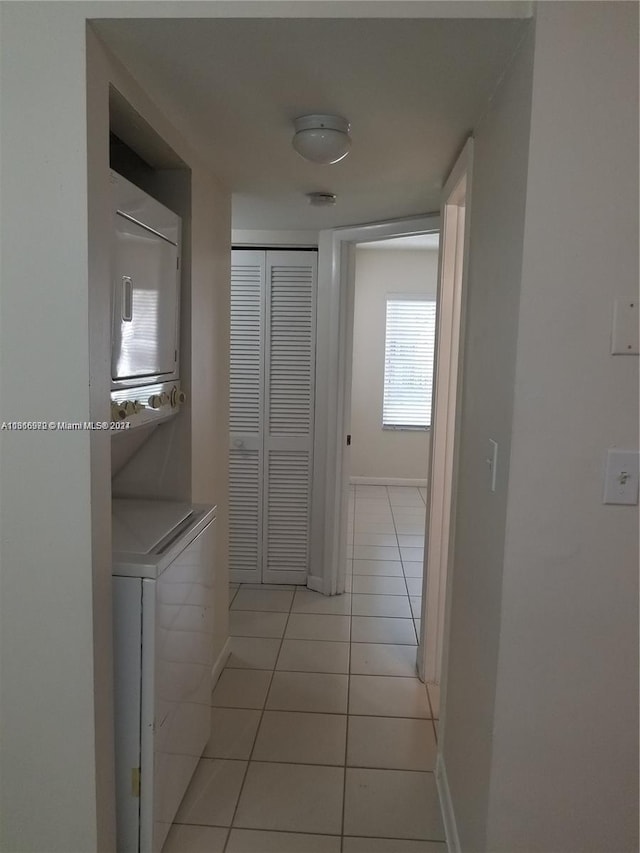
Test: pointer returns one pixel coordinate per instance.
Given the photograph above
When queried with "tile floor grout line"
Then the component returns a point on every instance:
(433, 716)
(255, 739)
(413, 620)
(316, 640)
(404, 575)
(301, 639)
(346, 738)
(404, 578)
(323, 834)
(387, 716)
(323, 713)
(322, 764)
(323, 671)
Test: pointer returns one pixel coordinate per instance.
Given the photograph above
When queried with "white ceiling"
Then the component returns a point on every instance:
(412, 89)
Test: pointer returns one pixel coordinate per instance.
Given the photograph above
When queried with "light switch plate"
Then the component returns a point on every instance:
(621, 477)
(492, 462)
(625, 332)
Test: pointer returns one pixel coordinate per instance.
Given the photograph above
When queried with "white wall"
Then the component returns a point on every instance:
(210, 320)
(252, 237)
(57, 760)
(496, 231)
(378, 453)
(48, 727)
(540, 724)
(565, 758)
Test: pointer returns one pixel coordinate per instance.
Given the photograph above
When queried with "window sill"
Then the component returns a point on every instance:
(392, 428)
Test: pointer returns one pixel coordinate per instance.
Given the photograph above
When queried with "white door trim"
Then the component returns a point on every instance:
(441, 491)
(333, 389)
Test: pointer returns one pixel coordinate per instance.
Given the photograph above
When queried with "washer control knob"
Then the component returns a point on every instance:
(177, 397)
(129, 406)
(155, 401)
(118, 413)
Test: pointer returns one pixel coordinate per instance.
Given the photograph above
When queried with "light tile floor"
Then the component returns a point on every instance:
(323, 740)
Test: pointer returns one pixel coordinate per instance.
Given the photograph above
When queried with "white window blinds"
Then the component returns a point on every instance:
(408, 362)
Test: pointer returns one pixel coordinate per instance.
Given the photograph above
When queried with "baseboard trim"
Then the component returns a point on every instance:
(446, 805)
(387, 481)
(315, 583)
(220, 663)
(242, 576)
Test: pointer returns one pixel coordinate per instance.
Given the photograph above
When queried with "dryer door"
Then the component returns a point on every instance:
(145, 304)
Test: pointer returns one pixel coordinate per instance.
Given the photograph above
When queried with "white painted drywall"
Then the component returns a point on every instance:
(497, 222)
(252, 237)
(378, 453)
(210, 320)
(56, 717)
(49, 764)
(565, 740)
(540, 728)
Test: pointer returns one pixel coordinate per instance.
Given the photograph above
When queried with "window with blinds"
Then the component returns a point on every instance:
(408, 362)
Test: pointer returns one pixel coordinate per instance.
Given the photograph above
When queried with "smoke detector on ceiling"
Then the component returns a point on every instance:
(321, 199)
(322, 138)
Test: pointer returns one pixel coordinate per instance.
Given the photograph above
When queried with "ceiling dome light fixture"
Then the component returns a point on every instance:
(322, 138)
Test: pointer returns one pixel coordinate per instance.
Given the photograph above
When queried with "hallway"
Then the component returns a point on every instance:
(323, 740)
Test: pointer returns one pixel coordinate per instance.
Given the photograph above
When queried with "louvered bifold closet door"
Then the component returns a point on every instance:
(246, 407)
(289, 407)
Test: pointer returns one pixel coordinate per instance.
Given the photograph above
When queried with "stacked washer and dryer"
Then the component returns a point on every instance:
(163, 550)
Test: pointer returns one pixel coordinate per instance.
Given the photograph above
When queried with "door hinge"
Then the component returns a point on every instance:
(135, 781)
(177, 263)
(175, 355)
(348, 440)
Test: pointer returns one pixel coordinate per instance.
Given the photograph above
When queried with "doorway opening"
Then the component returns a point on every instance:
(332, 444)
(340, 247)
(395, 289)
